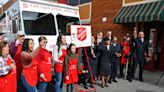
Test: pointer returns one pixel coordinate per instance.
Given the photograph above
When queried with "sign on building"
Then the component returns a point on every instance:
(81, 35)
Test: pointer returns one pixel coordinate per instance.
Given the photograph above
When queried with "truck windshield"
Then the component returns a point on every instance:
(64, 23)
(38, 23)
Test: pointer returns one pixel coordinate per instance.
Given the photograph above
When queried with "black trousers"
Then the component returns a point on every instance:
(122, 66)
(114, 68)
(134, 66)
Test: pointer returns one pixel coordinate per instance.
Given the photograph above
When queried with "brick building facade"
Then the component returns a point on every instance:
(107, 9)
(122, 16)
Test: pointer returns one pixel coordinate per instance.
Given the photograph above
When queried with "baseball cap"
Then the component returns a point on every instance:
(20, 33)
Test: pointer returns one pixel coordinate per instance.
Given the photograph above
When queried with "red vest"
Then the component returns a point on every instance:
(30, 73)
(59, 67)
(125, 51)
(44, 65)
(72, 71)
(18, 61)
(8, 83)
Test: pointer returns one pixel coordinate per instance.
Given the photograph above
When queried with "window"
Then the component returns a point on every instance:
(3, 23)
(38, 23)
(64, 23)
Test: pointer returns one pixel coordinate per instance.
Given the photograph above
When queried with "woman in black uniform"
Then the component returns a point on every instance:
(106, 51)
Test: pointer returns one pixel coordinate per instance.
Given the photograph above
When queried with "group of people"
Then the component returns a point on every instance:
(25, 69)
(106, 55)
(113, 55)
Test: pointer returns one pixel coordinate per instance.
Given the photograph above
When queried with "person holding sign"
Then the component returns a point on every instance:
(92, 55)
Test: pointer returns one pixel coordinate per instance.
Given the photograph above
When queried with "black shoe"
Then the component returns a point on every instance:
(141, 80)
(106, 85)
(110, 81)
(115, 81)
(129, 79)
(102, 86)
(121, 76)
(92, 85)
(85, 86)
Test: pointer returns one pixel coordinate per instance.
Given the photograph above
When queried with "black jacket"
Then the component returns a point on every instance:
(140, 48)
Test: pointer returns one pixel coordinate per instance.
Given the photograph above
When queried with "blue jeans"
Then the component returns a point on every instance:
(27, 86)
(20, 87)
(58, 82)
(42, 86)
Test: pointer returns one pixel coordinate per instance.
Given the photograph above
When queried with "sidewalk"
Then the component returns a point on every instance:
(149, 84)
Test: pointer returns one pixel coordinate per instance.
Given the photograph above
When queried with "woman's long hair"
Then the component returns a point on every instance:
(2, 45)
(26, 44)
(59, 42)
(69, 49)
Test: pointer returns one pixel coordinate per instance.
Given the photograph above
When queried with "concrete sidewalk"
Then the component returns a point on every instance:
(151, 84)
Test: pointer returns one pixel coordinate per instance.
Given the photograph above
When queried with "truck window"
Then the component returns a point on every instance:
(38, 23)
(64, 23)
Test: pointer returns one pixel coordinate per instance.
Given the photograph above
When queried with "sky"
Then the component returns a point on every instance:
(3, 1)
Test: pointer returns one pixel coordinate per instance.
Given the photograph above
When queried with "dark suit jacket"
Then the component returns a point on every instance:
(140, 48)
(106, 55)
(117, 49)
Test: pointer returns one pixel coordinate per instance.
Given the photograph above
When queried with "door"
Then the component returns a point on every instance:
(152, 49)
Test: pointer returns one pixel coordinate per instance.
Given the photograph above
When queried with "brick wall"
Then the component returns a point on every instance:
(7, 5)
(108, 8)
(131, 1)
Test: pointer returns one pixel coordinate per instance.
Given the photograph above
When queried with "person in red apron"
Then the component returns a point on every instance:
(7, 70)
(44, 65)
(125, 51)
(60, 51)
(15, 50)
(29, 62)
(71, 67)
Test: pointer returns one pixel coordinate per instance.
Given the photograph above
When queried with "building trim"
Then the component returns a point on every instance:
(85, 21)
(90, 15)
(84, 4)
(139, 2)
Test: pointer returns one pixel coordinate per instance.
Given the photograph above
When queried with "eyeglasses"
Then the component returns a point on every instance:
(45, 42)
(21, 35)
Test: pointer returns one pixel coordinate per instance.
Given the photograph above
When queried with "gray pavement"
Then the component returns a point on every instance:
(151, 84)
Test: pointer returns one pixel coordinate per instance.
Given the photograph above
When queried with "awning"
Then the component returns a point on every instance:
(147, 12)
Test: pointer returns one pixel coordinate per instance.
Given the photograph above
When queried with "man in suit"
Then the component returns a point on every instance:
(140, 53)
(116, 61)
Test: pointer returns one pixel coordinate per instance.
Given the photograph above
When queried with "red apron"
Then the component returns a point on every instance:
(8, 83)
(125, 51)
(58, 66)
(44, 65)
(30, 73)
(72, 71)
(18, 61)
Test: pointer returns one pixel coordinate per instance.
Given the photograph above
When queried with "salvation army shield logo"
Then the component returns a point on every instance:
(81, 33)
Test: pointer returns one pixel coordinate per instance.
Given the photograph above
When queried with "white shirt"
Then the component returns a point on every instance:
(57, 53)
(108, 47)
(142, 40)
